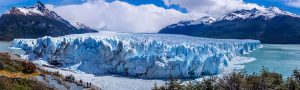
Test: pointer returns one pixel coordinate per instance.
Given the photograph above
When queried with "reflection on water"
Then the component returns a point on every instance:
(279, 58)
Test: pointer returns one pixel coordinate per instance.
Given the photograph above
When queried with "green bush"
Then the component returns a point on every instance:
(173, 84)
(293, 82)
(265, 80)
(16, 65)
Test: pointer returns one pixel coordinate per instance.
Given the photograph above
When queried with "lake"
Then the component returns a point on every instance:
(4, 47)
(279, 58)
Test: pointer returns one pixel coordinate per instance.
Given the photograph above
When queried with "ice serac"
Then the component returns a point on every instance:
(139, 55)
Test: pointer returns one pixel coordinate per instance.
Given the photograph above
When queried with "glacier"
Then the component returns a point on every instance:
(138, 55)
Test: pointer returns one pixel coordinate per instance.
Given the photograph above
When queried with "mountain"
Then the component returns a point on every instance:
(81, 26)
(34, 22)
(269, 25)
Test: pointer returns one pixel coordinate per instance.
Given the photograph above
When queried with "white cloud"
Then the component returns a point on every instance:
(124, 17)
(211, 7)
(120, 16)
(294, 4)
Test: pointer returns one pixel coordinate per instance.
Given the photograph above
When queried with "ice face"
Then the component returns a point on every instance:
(139, 55)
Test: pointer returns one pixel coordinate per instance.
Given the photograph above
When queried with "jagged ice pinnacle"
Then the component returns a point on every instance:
(139, 55)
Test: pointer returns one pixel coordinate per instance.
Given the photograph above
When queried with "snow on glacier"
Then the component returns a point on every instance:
(139, 55)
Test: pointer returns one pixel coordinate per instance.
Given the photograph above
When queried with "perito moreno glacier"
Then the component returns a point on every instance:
(138, 55)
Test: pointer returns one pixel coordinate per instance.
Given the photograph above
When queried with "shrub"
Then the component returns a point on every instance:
(1, 66)
(173, 84)
(205, 84)
(29, 67)
(265, 80)
(271, 80)
(21, 84)
(10, 65)
(293, 82)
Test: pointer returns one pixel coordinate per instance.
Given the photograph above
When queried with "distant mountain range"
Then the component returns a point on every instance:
(36, 21)
(269, 25)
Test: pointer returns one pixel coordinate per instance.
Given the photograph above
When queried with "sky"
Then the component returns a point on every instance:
(145, 16)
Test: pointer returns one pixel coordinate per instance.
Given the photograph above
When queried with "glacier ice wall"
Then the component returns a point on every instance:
(140, 55)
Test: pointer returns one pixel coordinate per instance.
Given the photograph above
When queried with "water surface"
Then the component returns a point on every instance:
(4, 47)
(279, 58)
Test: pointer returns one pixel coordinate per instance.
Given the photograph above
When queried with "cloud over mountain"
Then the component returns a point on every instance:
(295, 3)
(120, 16)
(124, 17)
(211, 7)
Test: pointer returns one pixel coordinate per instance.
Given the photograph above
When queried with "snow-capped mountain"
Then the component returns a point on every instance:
(203, 20)
(267, 13)
(37, 9)
(270, 25)
(33, 22)
(79, 25)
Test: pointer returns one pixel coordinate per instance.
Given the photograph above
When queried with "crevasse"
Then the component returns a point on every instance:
(139, 55)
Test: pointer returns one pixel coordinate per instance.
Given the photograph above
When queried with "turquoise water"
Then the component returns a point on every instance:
(279, 58)
(4, 47)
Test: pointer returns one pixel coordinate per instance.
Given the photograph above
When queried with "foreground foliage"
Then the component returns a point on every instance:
(265, 80)
(14, 74)
(7, 83)
(11, 65)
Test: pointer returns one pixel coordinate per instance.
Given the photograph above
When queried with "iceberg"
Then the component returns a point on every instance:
(138, 55)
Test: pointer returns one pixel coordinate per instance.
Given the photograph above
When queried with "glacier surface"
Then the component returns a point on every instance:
(138, 55)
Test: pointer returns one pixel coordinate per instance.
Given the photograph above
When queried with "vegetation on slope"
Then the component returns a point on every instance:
(11, 65)
(265, 80)
(18, 74)
(7, 83)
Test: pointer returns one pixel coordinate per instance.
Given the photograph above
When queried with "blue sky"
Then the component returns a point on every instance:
(145, 16)
(6, 4)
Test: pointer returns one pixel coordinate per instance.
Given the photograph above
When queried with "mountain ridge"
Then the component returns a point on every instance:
(34, 22)
(269, 25)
